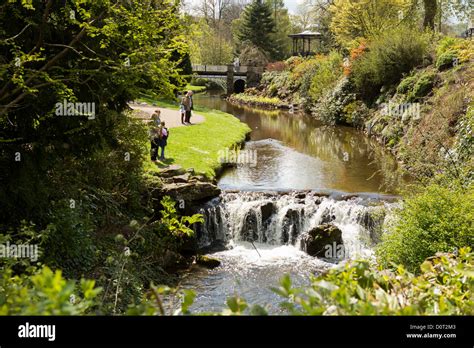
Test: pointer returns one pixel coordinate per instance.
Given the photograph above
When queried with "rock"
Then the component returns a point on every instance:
(172, 261)
(327, 216)
(291, 226)
(208, 262)
(249, 230)
(214, 247)
(172, 170)
(315, 241)
(190, 191)
(268, 209)
(300, 195)
(200, 177)
(180, 178)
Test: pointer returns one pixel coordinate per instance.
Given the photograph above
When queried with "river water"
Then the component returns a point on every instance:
(302, 172)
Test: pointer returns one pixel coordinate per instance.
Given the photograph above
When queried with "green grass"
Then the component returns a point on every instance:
(197, 146)
(256, 100)
(196, 89)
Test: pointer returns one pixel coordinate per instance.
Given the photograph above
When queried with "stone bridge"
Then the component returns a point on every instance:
(238, 77)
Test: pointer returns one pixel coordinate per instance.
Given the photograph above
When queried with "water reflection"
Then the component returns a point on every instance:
(294, 151)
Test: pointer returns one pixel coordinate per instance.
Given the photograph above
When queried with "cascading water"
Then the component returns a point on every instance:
(261, 234)
(281, 219)
(257, 236)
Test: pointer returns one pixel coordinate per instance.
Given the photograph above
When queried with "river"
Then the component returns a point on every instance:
(302, 172)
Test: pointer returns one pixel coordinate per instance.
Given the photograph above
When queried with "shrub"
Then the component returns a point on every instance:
(44, 292)
(418, 85)
(437, 219)
(423, 86)
(444, 287)
(276, 66)
(67, 241)
(390, 56)
(332, 107)
(406, 85)
(446, 60)
(449, 49)
(327, 73)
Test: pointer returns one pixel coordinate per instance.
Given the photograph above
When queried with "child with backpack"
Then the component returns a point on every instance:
(162, 140)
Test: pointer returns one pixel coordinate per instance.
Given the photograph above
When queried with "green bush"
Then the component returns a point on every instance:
(390, 56)
(438, 219)
(68, 240)
(446, 60)
(450, 48)
(423, 86)
(444, 287)
(44, 292)
(326, 74)
(406, 85)
(334, 106)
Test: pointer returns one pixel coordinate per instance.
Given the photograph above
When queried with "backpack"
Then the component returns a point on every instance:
(164, 133)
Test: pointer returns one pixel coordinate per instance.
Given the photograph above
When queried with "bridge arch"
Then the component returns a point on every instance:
(239, 86)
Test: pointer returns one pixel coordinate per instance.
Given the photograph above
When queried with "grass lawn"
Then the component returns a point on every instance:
(197, 146)
(196, 89)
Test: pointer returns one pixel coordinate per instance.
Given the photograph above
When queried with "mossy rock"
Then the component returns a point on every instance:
(208, 262)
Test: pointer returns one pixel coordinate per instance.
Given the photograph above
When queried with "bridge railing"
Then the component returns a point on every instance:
(217, 68)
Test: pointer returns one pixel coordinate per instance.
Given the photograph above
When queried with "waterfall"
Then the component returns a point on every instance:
(276, 218)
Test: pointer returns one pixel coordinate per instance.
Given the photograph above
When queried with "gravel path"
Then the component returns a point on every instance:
(172, 118)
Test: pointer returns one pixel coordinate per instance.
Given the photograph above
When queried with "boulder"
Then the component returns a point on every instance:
(172, 261)
(190, 191)
(267, 209)
(184, 178)
(172, 170)
(315, 241)
(291, 226)
(208, 262)
(249, 230)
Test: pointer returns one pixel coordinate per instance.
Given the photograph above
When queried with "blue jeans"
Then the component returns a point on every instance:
(162, 156)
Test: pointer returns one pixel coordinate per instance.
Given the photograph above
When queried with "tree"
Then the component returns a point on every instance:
(208, 46)
(282, 29)
(102, 53)
(353, 19)
(257, 26)
(430, 13)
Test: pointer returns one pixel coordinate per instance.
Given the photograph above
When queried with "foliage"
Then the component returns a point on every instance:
(326, 73)
(178, 226)
(451, 51)
(436, 219)
(418, 85)
(444, 287)
(67, 240)
(207, 45)
(256, 100)
(44, 292)
(367, 19)
(276, 66)
(390, 56)
(98, 52)
(257, 26)
(334, 105)
(252, 55)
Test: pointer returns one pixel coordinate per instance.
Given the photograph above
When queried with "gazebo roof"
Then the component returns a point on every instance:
(306, 34)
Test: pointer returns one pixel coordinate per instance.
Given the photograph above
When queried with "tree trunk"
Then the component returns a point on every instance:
(430, 13)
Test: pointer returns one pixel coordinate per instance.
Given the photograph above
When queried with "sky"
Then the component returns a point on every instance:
(290, 4)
